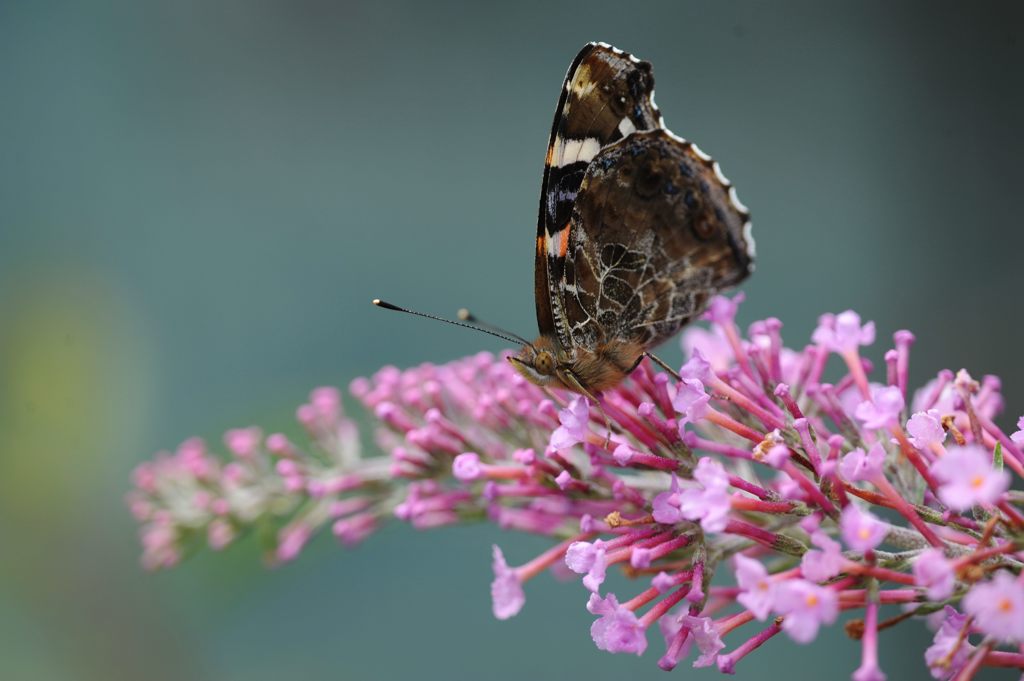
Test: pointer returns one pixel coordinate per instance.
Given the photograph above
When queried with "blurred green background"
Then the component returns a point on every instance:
(199, 199)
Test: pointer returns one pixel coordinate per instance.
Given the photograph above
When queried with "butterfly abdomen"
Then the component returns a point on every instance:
(607, 364)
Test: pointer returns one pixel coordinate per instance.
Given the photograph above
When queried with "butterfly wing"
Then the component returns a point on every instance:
(607, 94)
(655, 231)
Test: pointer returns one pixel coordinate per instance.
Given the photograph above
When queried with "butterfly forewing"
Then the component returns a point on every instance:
(607, 94)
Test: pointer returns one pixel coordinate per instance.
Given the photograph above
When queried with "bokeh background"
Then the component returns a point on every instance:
(199, 199)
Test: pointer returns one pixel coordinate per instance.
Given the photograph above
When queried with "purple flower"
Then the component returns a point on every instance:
(617, 630)
(507, 597)
(574, 419)
(712, 345)
(587, 559)
(666, 504)
(788, 487)
(843, 333)
(722, 310)
(883, 409)
(777, 456)
(819, 565)
(968, 478)
(697, 367)
(806, 606)
(933, 572)
(243, 442)
(709, 505)
(757, 592)
(705, 635)
(998, 607)
(1018, 437)
(691, 401)
(861, 530)
(857, 466)
(925, 428)
(663, 582)
(466, 467)
(869, 672)
(464, 440)
(940, 658)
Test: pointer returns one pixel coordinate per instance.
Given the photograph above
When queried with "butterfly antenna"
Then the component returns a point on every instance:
(467, 316)
(511, 338)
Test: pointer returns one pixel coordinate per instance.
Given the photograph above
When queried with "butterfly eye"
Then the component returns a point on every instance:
(544, 363)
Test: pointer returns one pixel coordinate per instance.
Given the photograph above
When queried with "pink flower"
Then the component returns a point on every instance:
(455, 439)
(857, 466)
(925, 428)
(777, 456)
(998, 607)
(574, 419)
(705, 635)
(290, 541)
(933, 572)
(219, 534)
(243, 442)
(968, 478)
(507, 597)
(883, 409)
(587, 559)
(709, 505)
(825, 564)
(806, 606)
(843, 333)
(663, 582)
(666, 504)
(697, 367)
(1018, 437)
(617, 630)
(861, 530)
(712, 345)
(691, 401)
(466, 467)
(757, 592)
(722, 310)
(943, 644)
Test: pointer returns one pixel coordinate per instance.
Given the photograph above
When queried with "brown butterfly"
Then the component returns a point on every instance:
(638, 228)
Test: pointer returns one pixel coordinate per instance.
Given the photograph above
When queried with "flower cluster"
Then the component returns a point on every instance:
(814, 497)
(270, 484)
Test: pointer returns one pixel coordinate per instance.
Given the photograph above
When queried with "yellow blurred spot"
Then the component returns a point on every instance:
(72, 393)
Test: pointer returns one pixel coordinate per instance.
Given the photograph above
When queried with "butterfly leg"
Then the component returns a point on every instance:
(636, 363)
(672, 372)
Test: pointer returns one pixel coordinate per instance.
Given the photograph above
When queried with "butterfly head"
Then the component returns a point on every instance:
(539, 362)
(586, 370)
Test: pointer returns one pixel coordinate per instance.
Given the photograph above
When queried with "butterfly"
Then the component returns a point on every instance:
(637, 229)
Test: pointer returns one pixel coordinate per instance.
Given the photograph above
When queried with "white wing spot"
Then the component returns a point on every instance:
(736, 201)
(748, 236)
(676, 137)
(626, 126)
(577, 150)
(720, 175)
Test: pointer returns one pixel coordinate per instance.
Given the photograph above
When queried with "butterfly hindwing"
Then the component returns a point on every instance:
(607, 94)
(655, 231)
